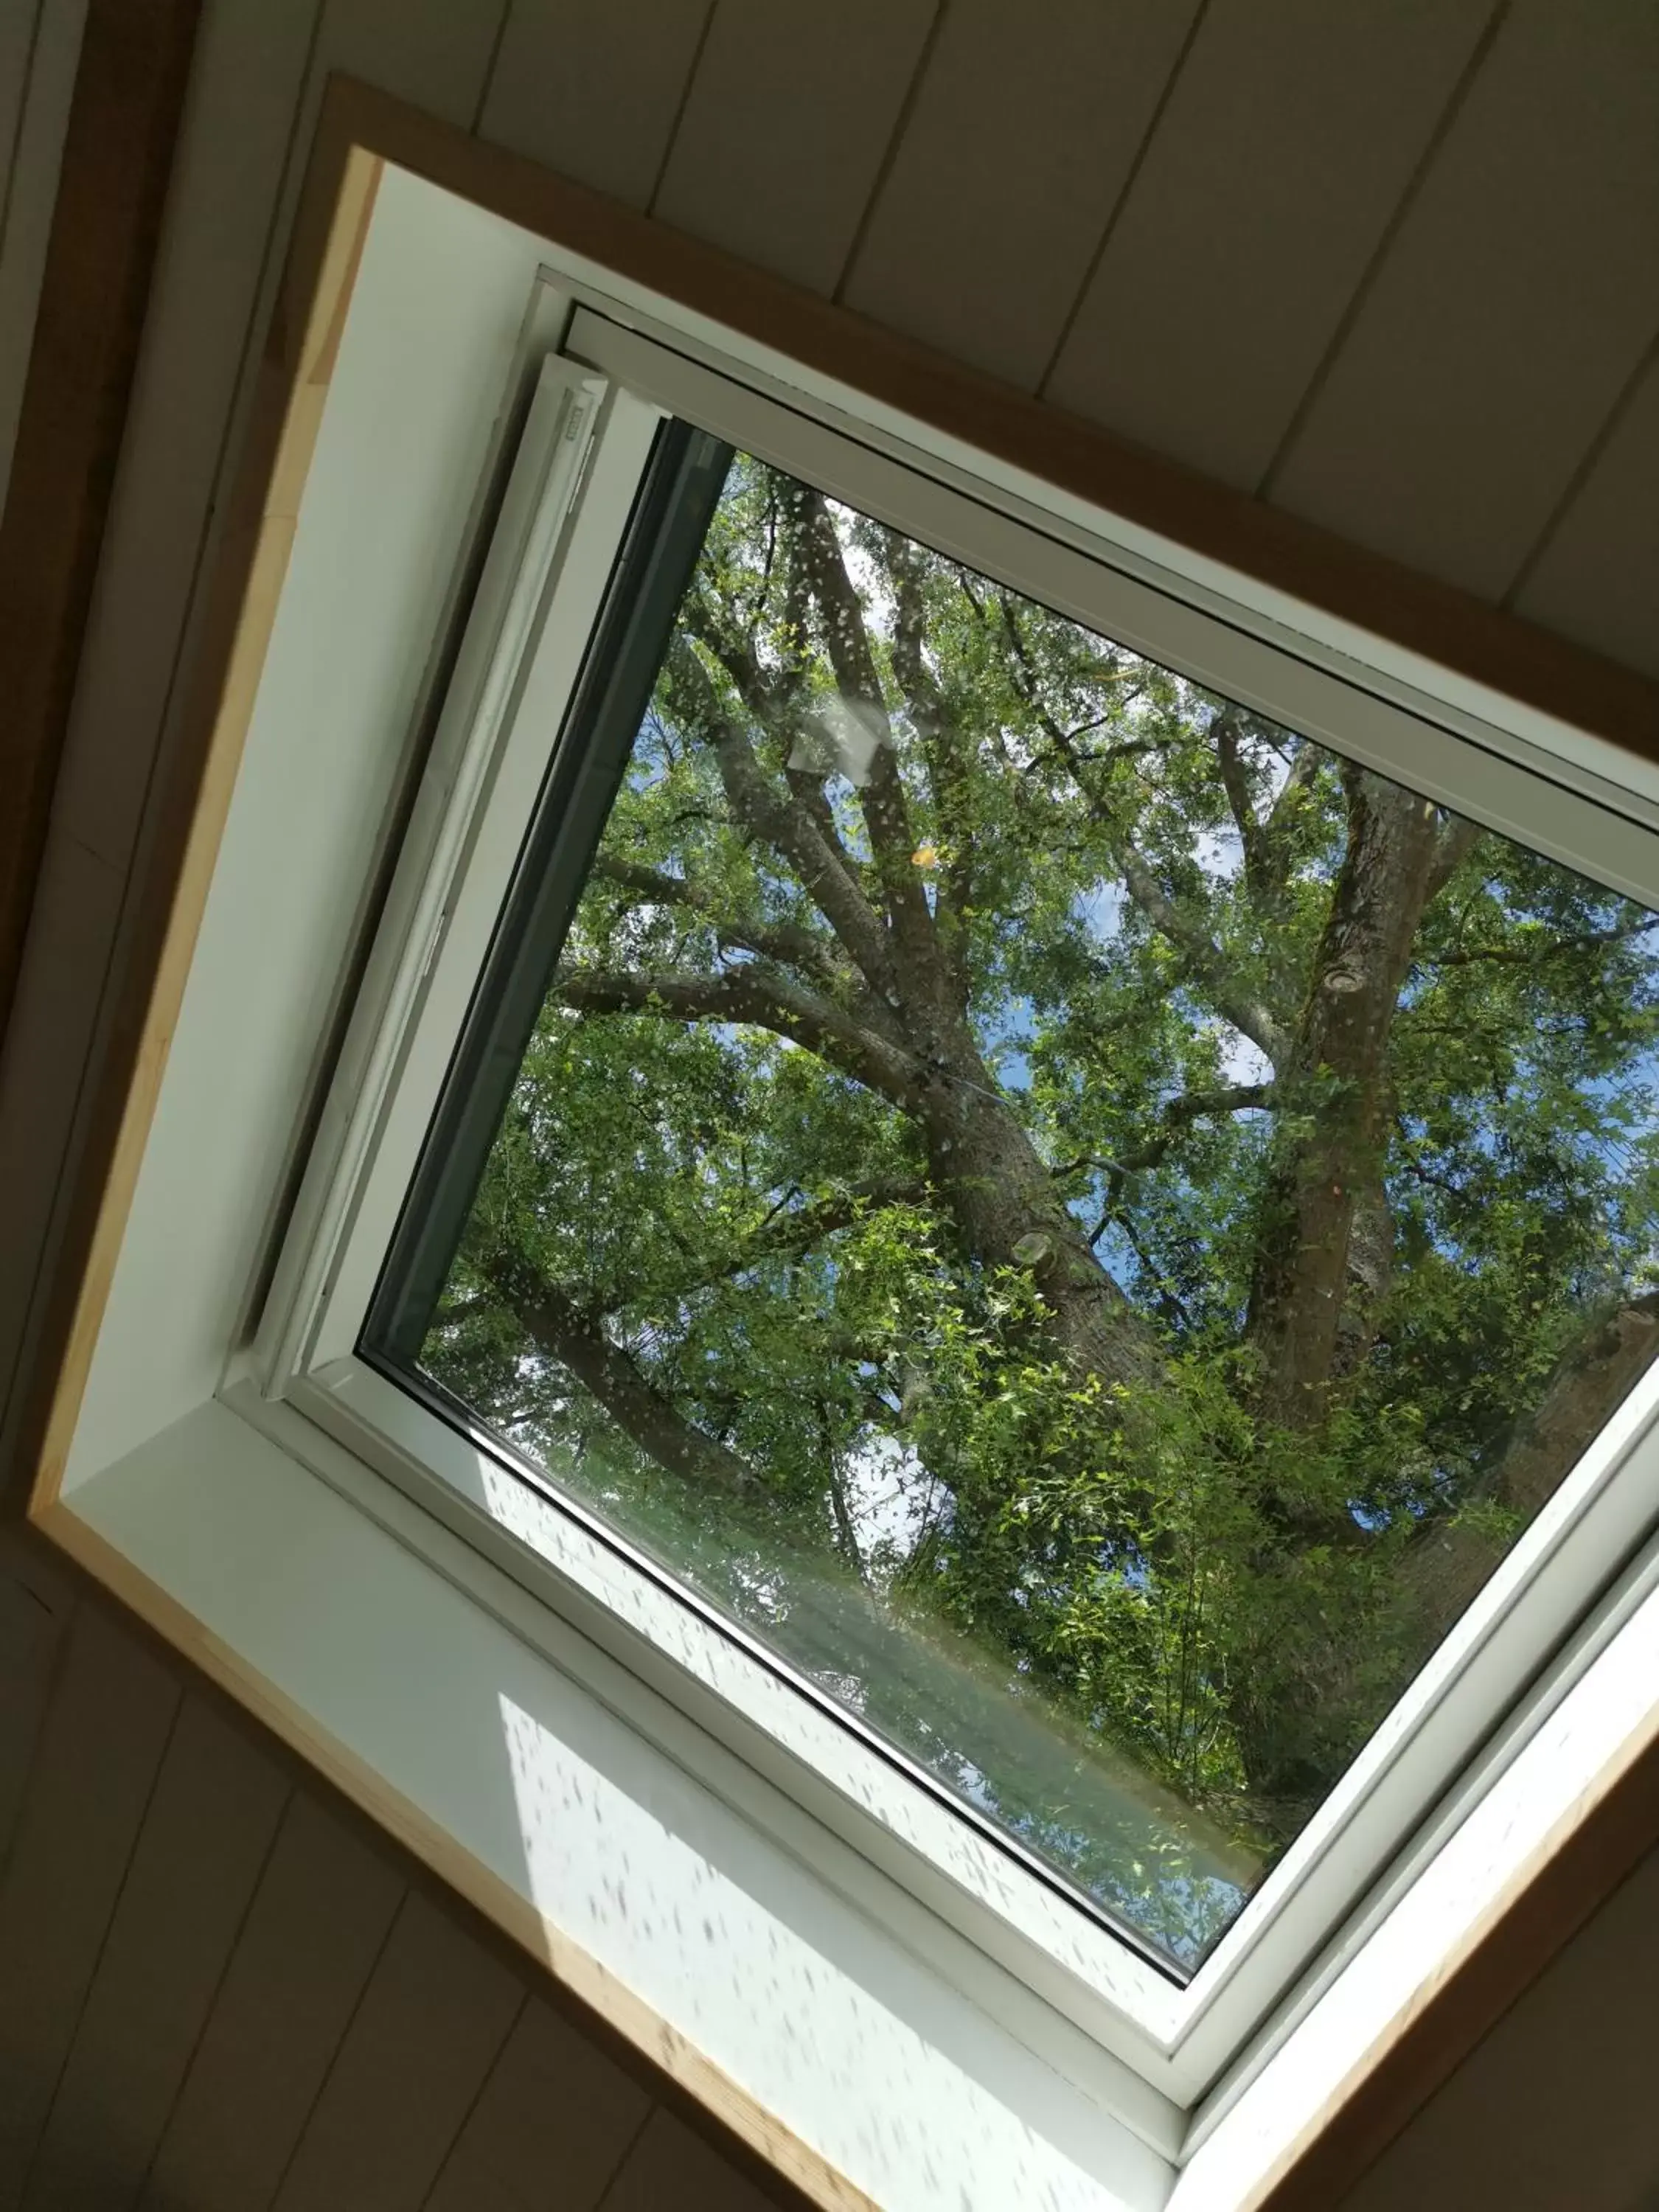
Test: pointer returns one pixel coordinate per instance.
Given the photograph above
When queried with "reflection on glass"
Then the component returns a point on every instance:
(1085, 1221)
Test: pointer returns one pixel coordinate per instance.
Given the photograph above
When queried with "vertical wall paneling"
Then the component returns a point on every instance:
(205, 1838)
(430, 2026)
(1024, 132)
(101, 1745)
(1275, 167)
(1597, 576)
(434, 52)
(1555, 2109)
(1516, 299)
(19, 22)
(32, 1629)
(671, 2166)
(591, 88)
(77, 900)
(305, 1954)
(553, 2104)
(789, 116)
(50, 47)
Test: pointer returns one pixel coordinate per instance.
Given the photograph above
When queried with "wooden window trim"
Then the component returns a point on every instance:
(58, 504)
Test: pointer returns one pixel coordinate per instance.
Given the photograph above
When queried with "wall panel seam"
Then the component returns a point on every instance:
(340, 2042)
(476, 2099)
(495, 56)
(680, 107)
(906, 109)
(17, 126)
(110, 1919)
(212, 2005)
(1380, 252)
(38, 1741)
(1624, 399)
(1115, 212)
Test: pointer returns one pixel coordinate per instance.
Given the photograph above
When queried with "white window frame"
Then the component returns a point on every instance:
(1094, 2010)
(599, 405)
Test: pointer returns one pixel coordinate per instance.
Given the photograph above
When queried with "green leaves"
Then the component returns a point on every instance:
(898, 1185)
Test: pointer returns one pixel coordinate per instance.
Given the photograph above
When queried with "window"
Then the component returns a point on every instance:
(1085, 1222)
(1072, 1217)
(1006, 1205)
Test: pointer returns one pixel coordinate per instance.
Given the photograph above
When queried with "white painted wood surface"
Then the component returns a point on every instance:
(645, 1880)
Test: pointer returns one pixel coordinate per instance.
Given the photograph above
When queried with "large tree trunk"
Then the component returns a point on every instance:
(1448, 1565)
(1315, 1278)
(1006, 1205)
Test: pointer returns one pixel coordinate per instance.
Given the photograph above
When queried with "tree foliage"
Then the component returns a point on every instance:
(1089, 1219)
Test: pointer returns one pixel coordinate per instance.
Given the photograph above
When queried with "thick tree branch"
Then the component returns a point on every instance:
(761, 998)
(1536, 952)
(941, 747)
(1177, 1114)
(782, 941)
(785, 824)
(1202, 956)
(1229, 736)
(1324, 1255)
(564, 1333)
(1443, 1567)
(790, 1232)
(1457, 838)
(881, 796)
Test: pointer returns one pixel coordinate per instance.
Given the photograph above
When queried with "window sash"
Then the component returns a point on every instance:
(444, 911)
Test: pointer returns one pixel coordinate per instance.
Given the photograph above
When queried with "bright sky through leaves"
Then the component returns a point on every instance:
(1086, 1221)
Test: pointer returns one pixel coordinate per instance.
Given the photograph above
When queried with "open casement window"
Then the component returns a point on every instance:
(1014, 1205)
(1089, 1217)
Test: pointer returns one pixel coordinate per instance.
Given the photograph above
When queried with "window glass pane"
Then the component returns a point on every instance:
(1086, 1221)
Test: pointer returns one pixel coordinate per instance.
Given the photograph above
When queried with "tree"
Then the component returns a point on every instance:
(1089, 1218)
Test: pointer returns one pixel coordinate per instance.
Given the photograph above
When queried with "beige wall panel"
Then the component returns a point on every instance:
(553, 2110)
(436, 52)
(431, 2023)
(304, 1956)
(77, 900)
(18, 22)
(198, 1859)
(1555, 2111)
(1519, 294)
(1597, 577)
(1285, 145)
(1024, 131)
(102, 1742)
(591, 88)
(39, 105)
(784, 130)
(672, 2166)
(32, 1630)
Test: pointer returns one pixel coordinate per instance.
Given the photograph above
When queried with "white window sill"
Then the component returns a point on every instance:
(753, 1979)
